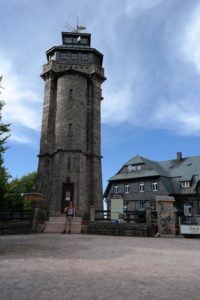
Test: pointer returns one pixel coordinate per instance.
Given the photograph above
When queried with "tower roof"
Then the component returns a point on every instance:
(75, 44)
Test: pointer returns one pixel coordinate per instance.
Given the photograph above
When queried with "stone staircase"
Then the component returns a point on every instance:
(56, 224)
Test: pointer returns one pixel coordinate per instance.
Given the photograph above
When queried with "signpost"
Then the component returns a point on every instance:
(36, 200)
(34, 197)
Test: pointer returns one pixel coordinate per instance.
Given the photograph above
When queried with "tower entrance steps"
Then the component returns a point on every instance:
(56, 224)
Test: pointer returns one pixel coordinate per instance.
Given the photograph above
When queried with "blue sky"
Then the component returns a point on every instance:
(152, 63)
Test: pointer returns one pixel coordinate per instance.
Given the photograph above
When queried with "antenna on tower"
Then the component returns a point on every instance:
(76, 29)
(1, 77)
(79, 27)
(69, 27)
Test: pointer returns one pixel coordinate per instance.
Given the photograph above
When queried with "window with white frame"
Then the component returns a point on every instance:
(141, 186)
(142, 205)
(185, 184)
(154, 186)
(187, 210)
(115, 189)
(127, 188)
(131, 168)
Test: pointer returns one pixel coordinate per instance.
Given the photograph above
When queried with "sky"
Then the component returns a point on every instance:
(151, 96)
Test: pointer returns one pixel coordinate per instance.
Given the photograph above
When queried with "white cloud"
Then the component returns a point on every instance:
(22, 103)
(135, 5)
(161, 97)
(178, 115)
(136, 102)
(117, 106)
(190, 40)
(21, 139)
(182, 116)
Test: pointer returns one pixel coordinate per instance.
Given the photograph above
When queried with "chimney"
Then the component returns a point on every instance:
(179, 156)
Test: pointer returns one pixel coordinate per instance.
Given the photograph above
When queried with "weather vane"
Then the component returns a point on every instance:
(76, 29)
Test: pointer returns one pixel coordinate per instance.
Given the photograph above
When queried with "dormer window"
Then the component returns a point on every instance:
(131, 168)
(185, 184)
(134, 168)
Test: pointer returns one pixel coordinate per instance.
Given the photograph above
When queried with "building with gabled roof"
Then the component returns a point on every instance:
(140, 180)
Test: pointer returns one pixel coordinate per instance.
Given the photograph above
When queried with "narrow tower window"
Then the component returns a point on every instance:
(70, 93)
(69, 163)
(88, 131)
(70, 130)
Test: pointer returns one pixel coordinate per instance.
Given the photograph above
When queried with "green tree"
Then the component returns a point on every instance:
(4, 134)
(18, 186)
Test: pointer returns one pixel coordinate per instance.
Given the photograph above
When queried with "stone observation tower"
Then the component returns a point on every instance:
(70, 149)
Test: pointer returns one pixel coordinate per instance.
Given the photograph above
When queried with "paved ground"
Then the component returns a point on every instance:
(55, 266)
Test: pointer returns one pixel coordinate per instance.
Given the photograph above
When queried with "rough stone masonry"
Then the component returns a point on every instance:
(69, 166)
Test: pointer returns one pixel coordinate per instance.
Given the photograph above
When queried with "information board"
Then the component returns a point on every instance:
(117, 207)
(190, 229)
(34, 197)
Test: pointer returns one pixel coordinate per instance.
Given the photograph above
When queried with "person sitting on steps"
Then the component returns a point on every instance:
(69, 210)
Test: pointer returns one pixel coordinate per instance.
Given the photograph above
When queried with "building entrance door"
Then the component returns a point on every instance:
(67, 194)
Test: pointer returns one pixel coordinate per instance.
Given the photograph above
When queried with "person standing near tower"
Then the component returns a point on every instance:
(69, 210)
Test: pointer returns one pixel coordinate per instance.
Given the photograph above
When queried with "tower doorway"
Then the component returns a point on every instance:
(67, 194)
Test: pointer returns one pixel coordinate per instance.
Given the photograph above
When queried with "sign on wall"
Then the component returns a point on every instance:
(117, 207)
(190, 229)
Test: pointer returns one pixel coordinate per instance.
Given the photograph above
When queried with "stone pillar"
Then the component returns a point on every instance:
(148, 217)
(92, 213)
